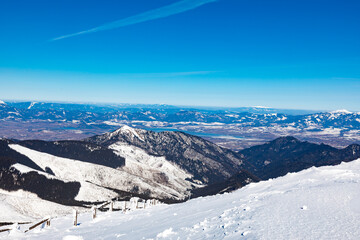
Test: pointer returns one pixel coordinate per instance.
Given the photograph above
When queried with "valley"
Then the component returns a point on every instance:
(235, 129)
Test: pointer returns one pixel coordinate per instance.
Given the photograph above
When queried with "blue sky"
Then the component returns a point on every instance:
(285, 54)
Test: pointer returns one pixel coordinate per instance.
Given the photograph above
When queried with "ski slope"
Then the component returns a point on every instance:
(317, 203)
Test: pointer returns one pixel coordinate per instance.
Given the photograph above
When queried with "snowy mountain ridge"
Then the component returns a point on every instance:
(317, 203)
(170, 166)
(91, 176)
(125, 129)
(206, 161)
(344, 111)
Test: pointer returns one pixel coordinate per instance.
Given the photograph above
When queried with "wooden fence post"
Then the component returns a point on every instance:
(111, 206)
(75, 214)
(5, 230)
(124, 205)
(93, 210)
(47, 221)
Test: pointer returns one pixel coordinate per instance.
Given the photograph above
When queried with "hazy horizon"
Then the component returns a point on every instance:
(170, 105)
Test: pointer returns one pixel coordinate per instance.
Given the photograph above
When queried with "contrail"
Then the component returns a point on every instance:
(175, 8)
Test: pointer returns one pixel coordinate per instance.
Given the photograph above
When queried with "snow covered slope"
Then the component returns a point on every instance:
(89, 175)
(158, 169)
(205, 161)
(317, 203)
(23, 206)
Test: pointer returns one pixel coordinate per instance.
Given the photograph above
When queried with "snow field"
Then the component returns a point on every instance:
(317, 203)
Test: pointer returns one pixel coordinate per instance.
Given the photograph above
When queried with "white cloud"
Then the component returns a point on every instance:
(175, 8)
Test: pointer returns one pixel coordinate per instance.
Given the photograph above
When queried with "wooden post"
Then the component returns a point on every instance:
(93, 210)
(111, 206)
(38, 224)
(75, 214)
(137, 204)
(124, 205)
(48, 223)
(103, 205)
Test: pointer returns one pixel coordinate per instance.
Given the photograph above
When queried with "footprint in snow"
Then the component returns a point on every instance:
(304, 207)
(247, 208)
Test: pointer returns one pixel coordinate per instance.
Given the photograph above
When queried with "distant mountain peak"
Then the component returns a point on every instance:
(343, 111)
(260, 107)
(127, 130)
(206, 161)
(2, 102)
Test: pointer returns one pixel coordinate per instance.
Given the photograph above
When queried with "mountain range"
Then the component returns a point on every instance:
(171, 166)
(233, 128)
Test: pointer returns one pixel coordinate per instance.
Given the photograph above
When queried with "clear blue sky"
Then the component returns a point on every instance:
(287, 54)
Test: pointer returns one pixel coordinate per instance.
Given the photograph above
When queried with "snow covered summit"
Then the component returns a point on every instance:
(342, 111)
(206, 161)
(129, 131)
(260, 107)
